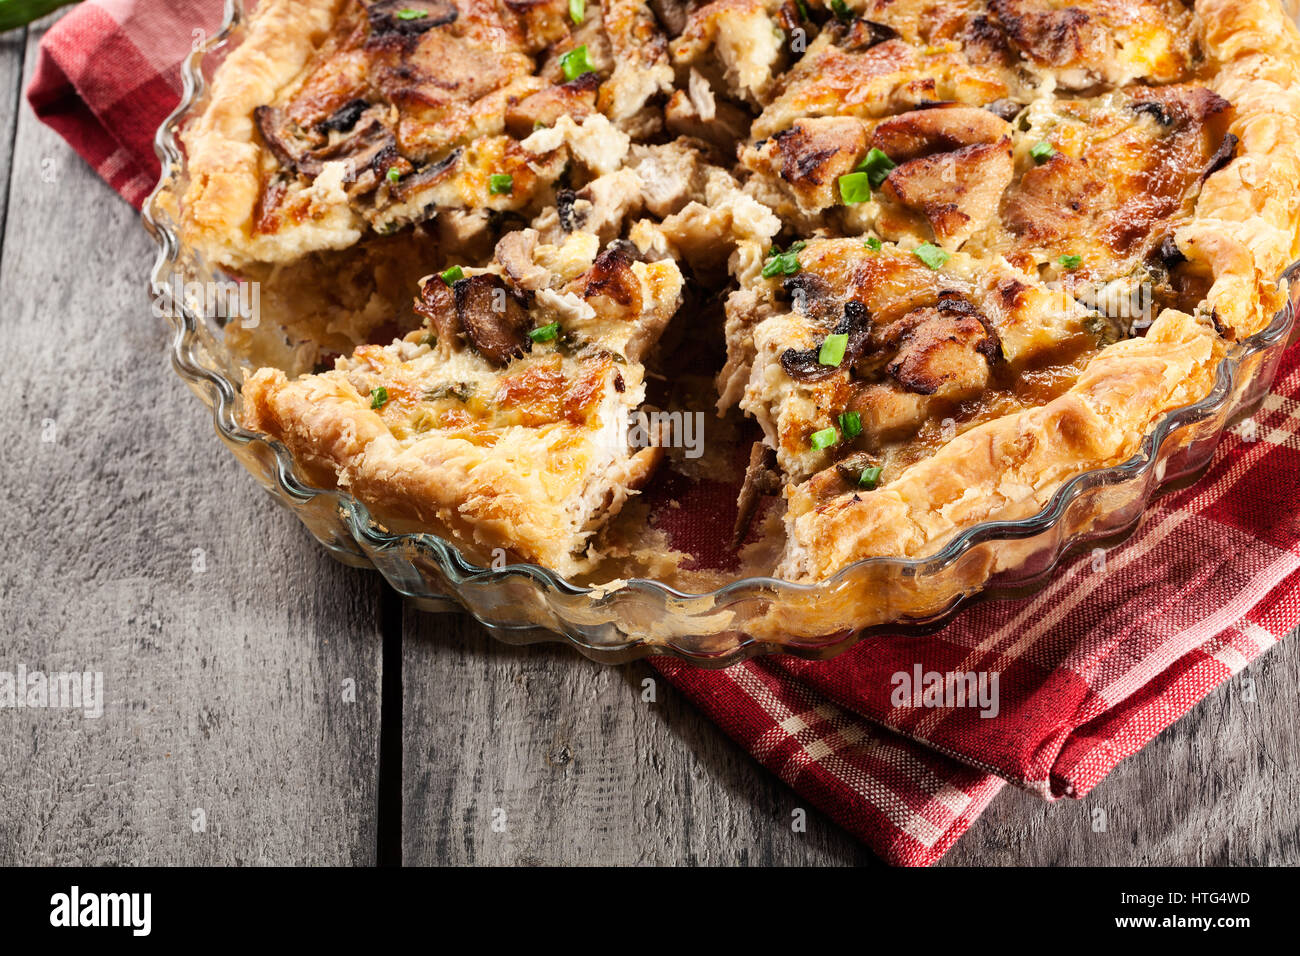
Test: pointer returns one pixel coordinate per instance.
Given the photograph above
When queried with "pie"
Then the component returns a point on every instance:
(956, 252)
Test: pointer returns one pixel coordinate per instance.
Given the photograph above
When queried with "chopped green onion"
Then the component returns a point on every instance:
(877, 166)
(1042, 151)
(870, 476)
(409, 14)
(378, 397)
(545, 333)
(783, 263)
(930, 254)
(454, 274)
(823, 439)
(393, 174)
(575, 63)
(841, 10)
(501, 184)
(803, 10)
(832, 350)
(851, 424)
(872, 243)
(855, 188)
(577, 10)
(1071, 262)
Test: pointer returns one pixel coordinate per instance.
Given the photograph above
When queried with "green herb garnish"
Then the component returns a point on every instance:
(454, 274)
(575, 63)
(378, 397)
(872, 243)
(501, 184)
(931, 255)
(869, 477)
(393, 174)
(577, 10)
(832, 350)
(823, 439)
(851, 424)
(841, 10)
(544, 333)
(877, 166)
(409, 14)
(783, 263)
(855, 188)
(1071, 262)
(1042, 151)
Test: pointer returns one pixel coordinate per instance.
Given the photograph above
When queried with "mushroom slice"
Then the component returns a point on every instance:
(405, 18)
(958, 192)
(494, 317)
(761, 478)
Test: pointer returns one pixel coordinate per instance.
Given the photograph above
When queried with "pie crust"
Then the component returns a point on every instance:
(667, 203)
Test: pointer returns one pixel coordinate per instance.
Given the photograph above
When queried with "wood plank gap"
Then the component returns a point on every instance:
(389, 816)
(13, 139)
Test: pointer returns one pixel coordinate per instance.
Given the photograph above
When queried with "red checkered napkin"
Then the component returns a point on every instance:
(1088, 670)
(109, 74)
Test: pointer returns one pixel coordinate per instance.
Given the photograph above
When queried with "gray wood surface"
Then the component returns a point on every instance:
(225, 686)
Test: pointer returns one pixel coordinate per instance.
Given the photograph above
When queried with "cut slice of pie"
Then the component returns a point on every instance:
(505, 423)
(337, 118)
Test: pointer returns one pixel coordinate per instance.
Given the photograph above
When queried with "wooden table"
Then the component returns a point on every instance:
(226, 686)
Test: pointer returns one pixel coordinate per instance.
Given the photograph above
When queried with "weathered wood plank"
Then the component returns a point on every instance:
(224, 686)
(1220, 787)
(584, 769)
(586, 772)
(12, 46)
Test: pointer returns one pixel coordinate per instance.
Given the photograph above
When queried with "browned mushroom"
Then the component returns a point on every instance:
(761, 478)
(409, 17)
(369, 139)
(851, 466)
(494, 317)
(804, 365)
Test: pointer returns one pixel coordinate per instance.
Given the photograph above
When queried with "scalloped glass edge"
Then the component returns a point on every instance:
(526, 603)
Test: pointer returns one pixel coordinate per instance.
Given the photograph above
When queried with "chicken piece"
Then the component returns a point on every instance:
(808, 158)
(958, 192)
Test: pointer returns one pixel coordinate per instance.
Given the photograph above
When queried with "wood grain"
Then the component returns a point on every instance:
(224, 686)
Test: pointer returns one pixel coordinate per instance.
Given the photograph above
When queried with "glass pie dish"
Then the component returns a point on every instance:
(636, 617)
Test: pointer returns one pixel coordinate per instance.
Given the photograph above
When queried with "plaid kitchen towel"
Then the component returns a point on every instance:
(1063, 685)
(109, 74)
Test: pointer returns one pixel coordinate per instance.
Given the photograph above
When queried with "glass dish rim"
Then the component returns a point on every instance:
(452, 563)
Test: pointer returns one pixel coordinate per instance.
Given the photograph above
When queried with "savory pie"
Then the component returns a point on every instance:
(961, 250)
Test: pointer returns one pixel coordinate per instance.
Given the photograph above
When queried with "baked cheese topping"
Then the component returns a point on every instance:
(966, 248)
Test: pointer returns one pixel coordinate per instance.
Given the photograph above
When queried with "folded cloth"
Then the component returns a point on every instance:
(1062, 685)
(109, 73)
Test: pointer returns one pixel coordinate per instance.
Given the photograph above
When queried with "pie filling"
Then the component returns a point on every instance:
(962, 250)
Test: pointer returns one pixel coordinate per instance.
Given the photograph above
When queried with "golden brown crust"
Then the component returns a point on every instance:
(1230, 217)
(1243, 233)
(222, 153)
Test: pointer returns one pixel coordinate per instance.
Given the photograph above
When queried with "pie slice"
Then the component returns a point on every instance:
(509, 421)
(505, 423)
(333, 119)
